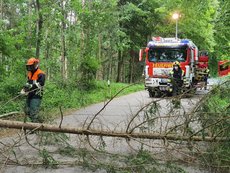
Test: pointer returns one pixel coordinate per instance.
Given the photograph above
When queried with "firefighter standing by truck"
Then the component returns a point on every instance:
(33, 89)
(206, 78)
(177, 78)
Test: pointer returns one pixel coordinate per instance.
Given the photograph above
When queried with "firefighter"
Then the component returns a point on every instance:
(206, 77)
(177, 77)
(33, 89)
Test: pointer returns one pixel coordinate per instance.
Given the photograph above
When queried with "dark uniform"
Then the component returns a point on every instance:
(177, 78)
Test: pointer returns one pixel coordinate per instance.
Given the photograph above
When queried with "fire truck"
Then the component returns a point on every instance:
(224, 68)
(160, 54)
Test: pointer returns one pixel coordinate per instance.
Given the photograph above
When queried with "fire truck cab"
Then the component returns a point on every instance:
(160, 55)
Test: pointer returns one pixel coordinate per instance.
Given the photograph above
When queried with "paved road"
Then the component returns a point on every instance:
(115, 116)
(115, 113)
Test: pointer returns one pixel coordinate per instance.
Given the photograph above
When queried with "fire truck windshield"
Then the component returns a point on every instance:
(167, 54)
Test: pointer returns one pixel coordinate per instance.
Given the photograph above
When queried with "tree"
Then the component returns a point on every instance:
(108, 34)
(221, 30)
(39, 23)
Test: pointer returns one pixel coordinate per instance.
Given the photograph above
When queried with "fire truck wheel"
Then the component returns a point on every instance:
(169, 94)
(158, 94)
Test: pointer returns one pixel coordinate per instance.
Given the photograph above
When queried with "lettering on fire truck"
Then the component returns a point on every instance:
(162, 65)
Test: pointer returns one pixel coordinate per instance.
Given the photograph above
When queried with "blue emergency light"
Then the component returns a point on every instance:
(185, 41)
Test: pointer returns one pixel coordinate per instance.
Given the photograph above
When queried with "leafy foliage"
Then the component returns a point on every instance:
(83, 42)
(222, 26)
(215, 112)
(98, 40)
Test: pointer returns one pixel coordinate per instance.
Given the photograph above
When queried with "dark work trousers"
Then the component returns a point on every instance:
(32, 109)
(177, 84)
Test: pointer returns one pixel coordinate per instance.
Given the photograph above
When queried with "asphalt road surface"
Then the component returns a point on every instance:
(114, 117)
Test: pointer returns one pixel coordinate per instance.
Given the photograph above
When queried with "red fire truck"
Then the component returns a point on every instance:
(224, 68)
(160, 55)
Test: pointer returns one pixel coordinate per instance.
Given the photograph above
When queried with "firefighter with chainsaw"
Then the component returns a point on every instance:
(177, 78)
(33, 89)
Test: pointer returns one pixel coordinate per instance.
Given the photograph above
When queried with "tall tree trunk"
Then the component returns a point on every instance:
(63, 44)
(131, 64)
(120, 55)
(29, 36)
(119, 66)
(1, 54)
(1, 10)
(39, 23)
(82, 41)
(100, 71)
(47, 53)
(82, 32)
(110, 70)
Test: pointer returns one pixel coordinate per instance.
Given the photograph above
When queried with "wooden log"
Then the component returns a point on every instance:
(95, 132)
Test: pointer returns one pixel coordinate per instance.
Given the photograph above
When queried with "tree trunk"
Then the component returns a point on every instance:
(39, 23)
(119, 66)
(29, 36)
(47, 54)
(100, 71)
(63, 45)
(1, 54)
(95, 132)
(131, 64)
(82, 40)
(1, 9)
(110, 70)
(82, 32)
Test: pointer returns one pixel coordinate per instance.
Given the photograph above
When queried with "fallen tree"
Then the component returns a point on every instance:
(95, 132)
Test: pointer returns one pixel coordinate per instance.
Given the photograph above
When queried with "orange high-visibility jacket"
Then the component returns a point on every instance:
(35, 75)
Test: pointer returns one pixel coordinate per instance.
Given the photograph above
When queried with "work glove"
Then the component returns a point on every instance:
(28, 86)
(23, 92)
(37, 84)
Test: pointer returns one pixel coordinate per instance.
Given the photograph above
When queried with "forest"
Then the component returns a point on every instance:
(80, 41)
(83, 44)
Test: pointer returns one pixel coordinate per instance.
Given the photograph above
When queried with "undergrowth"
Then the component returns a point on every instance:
(214, 113)
(56, 95)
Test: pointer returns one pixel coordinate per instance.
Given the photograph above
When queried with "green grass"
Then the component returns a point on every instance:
(72, 97)
(68, 97)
